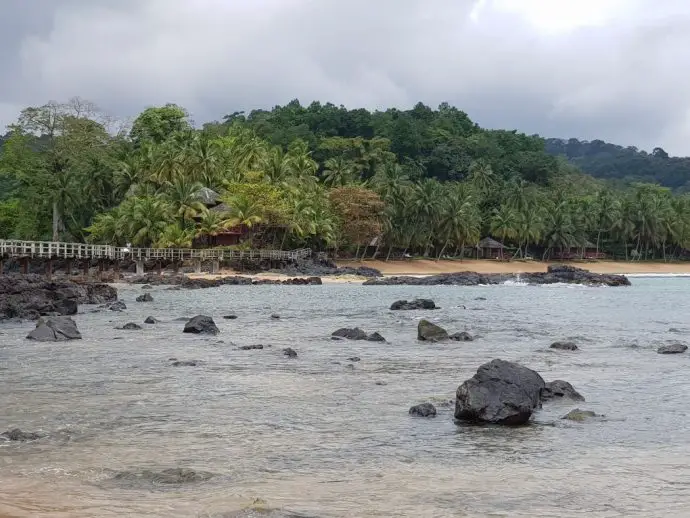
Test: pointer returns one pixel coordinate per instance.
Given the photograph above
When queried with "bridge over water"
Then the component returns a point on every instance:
(106, 255)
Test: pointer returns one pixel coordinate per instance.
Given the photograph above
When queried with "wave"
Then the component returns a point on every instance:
(656, 274)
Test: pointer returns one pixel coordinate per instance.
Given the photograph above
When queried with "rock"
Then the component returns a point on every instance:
(185, 363)
(350, 333)
(95, 293)
(462, 336)
(354, 359)
(375, 337)
(290, 352)
(564, 346)
(17, 435)
(480, 298)
(201, 324)
(554, 274)
(251, 347)
(147, 287)
(151, 320)
(423, 410)
(116, 306)
(674, 330)
(381, 383)
(32, 296)
(415, 304)
(580, 415)
(501, 392)
(230, 317)
(430, 332)
(130, 326)
(55, 329)
(560, 389)
(173, 476)
(146, 297)
(275, 316)
(672, 349)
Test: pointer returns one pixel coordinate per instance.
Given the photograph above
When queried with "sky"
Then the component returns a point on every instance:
(609, 69)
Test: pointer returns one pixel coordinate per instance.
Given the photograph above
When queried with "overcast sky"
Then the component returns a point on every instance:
(610, 69)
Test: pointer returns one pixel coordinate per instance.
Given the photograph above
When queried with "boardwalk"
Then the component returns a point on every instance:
(48, 250)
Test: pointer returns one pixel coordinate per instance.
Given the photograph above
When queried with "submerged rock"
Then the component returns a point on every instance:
(350, 333)
(560, 389)
(580, 415)
(431, 332)
(17, 435)
(172, 476)
(672, 349)
(564, 346)
(251, 347)
(130, 326)
(116, 306)
(146, 297)
(290, 352)
(375, 337)
(201, 324)
(412, 305)
(462, 336)
(230, 317)
(151, 320)
(55, 329)
(185, 363)
(423, 410)
(354, 359)
(501, 392)
(275, 316)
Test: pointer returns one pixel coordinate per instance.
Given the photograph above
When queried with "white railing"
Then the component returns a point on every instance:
(58, 250)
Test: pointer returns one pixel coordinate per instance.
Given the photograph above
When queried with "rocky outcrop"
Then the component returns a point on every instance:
(151, 320)
(201, 324)
(501, 392)
(357, 334)
(55, 329)
(462, 336)
(32, 296)
(130, 326)
(427, 331)
(564, 346)
(146, 297)
(115, 306)
(250, 347)
(560, 389)
(404, 305)
(290, 352)
(423, 410)
(554, 274)
(182, 281)
(297, 281)
(672, 349)
(323, 268)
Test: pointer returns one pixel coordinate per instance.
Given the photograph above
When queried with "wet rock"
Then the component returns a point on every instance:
(560, 389)
(462, 336)
(130, 326)
(275, 316)
(672, 349)
(251, 347)
(375, 337)
(17, 435)
(185, 363)
(423, 410)
(32, 296)
(172, 476)
(381, 383)
(95, 293)
(146, 297)
(147, 287)
(55, 329)
(116, 306)
(230, 317)
(412, 305)
(201, 324)
(350, 333)
(290, 352)
(580, 415)
(354, 359)
(501, 392)
(151, 320)
(430, 332)
(564, 346)
(480, 298)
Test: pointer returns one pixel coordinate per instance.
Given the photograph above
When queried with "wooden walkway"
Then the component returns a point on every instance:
(81, 251)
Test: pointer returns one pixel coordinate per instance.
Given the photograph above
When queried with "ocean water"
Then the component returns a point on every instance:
(323, 436)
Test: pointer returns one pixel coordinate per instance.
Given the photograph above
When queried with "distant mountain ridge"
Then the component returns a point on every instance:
(627, 164)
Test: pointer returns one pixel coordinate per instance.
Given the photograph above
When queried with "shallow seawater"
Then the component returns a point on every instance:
(322, 436)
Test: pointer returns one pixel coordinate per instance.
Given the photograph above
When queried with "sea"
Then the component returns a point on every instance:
(328, 434)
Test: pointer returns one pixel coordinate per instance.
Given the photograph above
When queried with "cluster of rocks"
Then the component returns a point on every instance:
(554, 274)
(356, 334)
(32, 296)
(430, 332)
(185, 282)
(324, 268)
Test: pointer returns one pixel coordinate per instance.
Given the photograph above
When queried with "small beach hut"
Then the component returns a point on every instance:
(489, 248)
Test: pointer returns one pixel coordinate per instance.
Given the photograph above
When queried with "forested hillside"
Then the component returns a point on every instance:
(625, 164)
(424, 181)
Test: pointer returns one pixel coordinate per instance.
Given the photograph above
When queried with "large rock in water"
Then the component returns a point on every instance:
(201, 324)
(501, 392)
(560, 389)
(672, 349)
(414, 304)
(431, 332)
(55, 329)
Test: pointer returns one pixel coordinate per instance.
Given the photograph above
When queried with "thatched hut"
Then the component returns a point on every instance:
(489, 248)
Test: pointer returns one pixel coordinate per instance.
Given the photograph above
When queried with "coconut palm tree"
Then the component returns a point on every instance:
(145, 219)
(183, 196)
(338, 172)
(173, 236)
(504, 223)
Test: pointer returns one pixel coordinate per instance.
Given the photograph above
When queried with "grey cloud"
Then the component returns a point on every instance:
(624, 82)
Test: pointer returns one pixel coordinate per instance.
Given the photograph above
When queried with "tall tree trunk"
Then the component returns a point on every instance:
(443, 249)
(390, 249)
(357, 252)
(56, 221)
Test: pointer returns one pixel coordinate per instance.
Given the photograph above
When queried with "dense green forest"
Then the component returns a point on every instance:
(427, 182)
(624, 164)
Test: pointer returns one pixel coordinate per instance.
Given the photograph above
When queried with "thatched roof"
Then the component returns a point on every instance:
(207, 196)
(488, 242)
(221, 208)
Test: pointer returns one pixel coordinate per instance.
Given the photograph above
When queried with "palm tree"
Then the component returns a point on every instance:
(145, 219)
(504, 223)
(183, 196)
(482, 176)
(173, 236)
(460, 219)
(559, 229)
(338, 172)
(529, 228)
(243, 212)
